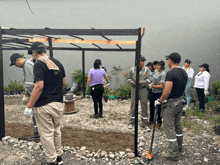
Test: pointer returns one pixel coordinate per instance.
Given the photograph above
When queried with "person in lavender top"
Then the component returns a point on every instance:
(95, 82)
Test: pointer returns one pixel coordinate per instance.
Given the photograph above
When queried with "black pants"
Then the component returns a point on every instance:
(201, 98)
(97, 93)
(153, 97)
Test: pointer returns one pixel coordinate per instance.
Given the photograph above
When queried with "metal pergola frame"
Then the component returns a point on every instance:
(22, 38)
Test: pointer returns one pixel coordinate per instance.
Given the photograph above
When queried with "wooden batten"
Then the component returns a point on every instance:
(77, 41)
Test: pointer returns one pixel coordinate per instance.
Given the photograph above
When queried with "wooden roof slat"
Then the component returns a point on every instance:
(112, 42)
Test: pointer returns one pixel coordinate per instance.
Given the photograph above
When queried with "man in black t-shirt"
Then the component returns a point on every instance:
(176, 80)
(47, 98)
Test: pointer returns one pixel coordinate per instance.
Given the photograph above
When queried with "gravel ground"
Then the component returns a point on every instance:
(201, 144)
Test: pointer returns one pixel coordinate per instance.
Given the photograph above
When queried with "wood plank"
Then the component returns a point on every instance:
(112, 42)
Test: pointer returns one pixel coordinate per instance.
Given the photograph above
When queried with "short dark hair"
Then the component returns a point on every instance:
(155, 62)
(41, 51)
(149, 64)
(97, 63)
(162, 64)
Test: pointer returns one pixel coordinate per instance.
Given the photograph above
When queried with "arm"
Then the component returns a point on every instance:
(158, 86)
(29, 78)
(88, 81)
(161, 82)
(38, 88)
(147, 79)
(130, 79)
(206, 81)
(64, 81)
(167, 91)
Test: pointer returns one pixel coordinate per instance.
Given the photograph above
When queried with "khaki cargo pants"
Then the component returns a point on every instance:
(48, 118)
(143, 97)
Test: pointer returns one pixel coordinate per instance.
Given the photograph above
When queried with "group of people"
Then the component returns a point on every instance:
(165, 92)
(45, 78)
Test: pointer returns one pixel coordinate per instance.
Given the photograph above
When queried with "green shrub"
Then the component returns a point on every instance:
(216, 87)
(78, 76)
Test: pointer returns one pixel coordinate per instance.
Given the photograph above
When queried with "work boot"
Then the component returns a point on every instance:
(172, 151)
(35, 136)
(59, 160)
(180, 143)
(150, 122)
(95, 116)
(169, 156)
(100, 115)
(158, 125)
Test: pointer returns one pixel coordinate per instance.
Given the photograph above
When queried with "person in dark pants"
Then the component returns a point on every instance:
(95, 81)
(201, 84)
(157, 89)
(150, 95)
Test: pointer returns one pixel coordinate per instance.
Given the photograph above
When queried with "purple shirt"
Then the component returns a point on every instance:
(96, 76)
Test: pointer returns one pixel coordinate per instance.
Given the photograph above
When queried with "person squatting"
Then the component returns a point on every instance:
(45, 78)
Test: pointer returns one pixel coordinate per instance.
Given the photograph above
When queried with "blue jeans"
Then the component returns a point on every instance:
(187, 92)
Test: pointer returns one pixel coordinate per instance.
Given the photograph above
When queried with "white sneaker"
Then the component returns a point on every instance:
(130, 126)
(148, 129)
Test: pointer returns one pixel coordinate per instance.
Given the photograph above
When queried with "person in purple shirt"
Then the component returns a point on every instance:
(95, 82)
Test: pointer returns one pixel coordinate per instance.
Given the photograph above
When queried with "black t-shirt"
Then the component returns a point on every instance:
(179, 78)
(53, 83)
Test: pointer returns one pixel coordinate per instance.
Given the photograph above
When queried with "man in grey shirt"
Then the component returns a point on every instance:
(28, 66)
(144, 80)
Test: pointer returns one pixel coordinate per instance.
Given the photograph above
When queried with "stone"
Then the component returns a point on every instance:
(103, 153)
(5, 142)
(23, 146)
(197, 154)
(30, 144)
(89, 155)
(131, 155)
(206, 160)
(112, 156)
(121, 153)
(83, 148)
(11, 141)
(21, 141)
(128, 150)
(6, 138)
(93, 160)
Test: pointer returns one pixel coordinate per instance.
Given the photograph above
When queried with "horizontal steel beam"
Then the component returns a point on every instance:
(77, 49)
(113, 32)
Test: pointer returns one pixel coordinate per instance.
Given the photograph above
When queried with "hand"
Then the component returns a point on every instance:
(25, 99)
(104, 81)
(157, 102)
(206, 92)
(149, 86)
(134, 83)
(28, 112)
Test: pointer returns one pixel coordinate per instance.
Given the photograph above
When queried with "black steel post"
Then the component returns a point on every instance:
(50, 46)
(2, 113)
(137, 58)
(83, 69)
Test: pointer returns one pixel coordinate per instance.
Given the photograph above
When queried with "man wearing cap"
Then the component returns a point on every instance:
(47, 98)
(27, 65)
(175, 84)
(144, 80)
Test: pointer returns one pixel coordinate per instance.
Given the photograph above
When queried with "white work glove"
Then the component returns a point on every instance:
(157, 102)
(149, 86)
(206, 92)
(28, 112)
(25, 99)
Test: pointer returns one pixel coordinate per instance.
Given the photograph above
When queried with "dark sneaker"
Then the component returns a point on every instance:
(95, 116)
(150, 123)
(100, 115)
(59, 160)
(168, 156)
(35, 136)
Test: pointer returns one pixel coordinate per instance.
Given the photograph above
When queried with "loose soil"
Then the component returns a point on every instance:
(108, 141)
